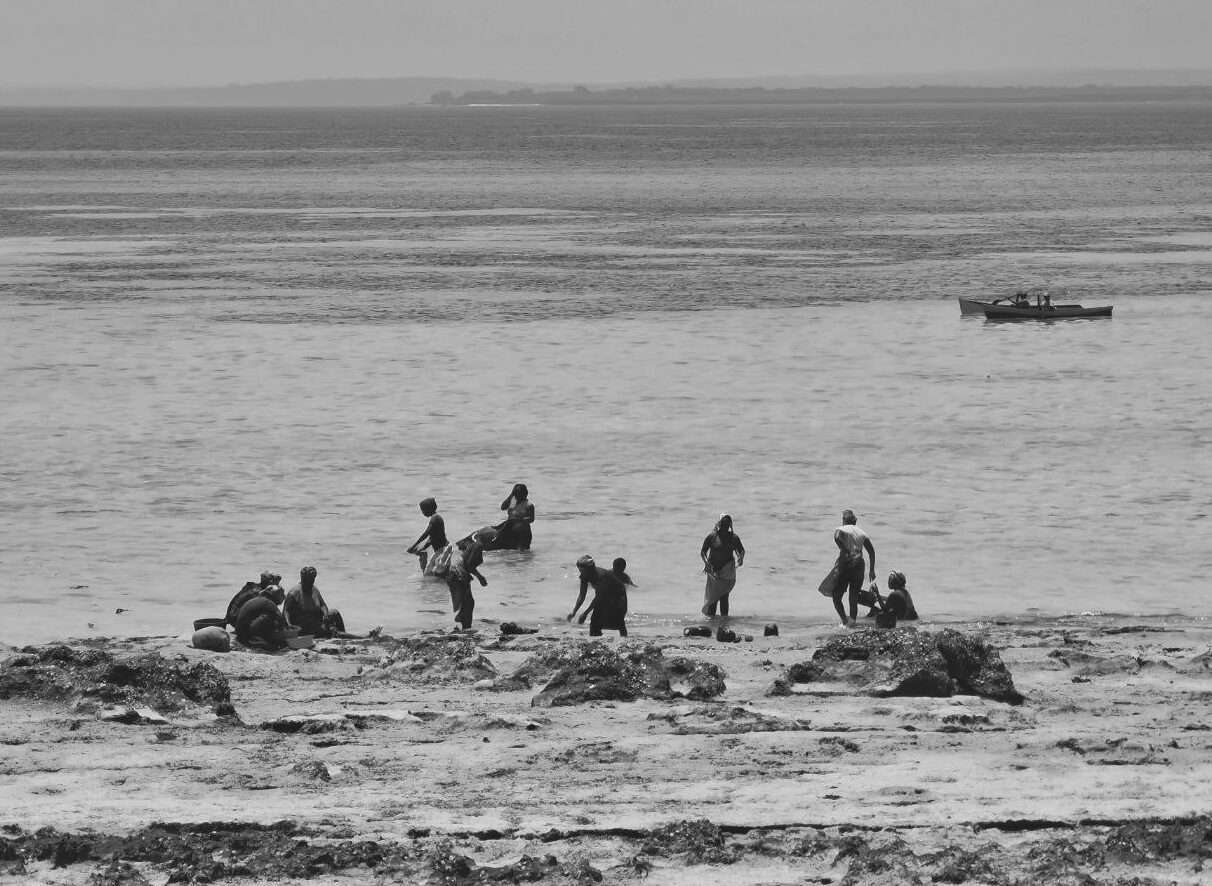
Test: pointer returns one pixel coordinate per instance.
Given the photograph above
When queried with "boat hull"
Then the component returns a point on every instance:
(1058, 312)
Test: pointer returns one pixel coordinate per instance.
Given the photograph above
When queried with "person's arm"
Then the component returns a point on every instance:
(580, 599)
(871, 556)
(740, 551)
(415, 547)
(508, 499)
(529, 513)
(706, 560)
(837, 539)
(588, 609)
(473, 570)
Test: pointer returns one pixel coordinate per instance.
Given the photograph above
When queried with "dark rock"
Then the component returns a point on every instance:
(770, 630)
(908, 662)
(436, 659)
(593, 671)
(697, 631)
(513, 630)
(700, 841)
(149, 680)
(726, 635)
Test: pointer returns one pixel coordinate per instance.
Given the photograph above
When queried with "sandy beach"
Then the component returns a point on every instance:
(461, 759)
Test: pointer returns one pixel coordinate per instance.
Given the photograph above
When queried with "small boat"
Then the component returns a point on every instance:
(971, 307)
(1044, 312)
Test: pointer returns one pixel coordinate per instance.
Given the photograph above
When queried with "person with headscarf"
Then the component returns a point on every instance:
(434, 536)
(305, 609)
(259, 623)
(514, 531)
(722, 553)
(269, 581)
(608, 608)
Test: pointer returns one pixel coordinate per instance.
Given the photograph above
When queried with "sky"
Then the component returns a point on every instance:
(146, 43)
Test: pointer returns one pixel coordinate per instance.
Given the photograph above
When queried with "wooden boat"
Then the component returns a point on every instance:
(971, 307)
(1045, 312)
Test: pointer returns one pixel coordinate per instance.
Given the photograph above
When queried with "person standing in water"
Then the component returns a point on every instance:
(464, 564)
(851, 543)
(434, 536)
(608, 608)
(514, 531)
(722, 553)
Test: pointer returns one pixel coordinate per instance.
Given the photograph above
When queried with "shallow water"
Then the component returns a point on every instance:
(233, 341)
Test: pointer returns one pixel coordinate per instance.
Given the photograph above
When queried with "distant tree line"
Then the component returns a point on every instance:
(664, 95)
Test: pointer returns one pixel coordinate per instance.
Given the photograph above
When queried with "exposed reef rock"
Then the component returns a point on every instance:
(593, 671)
(907, 662)
(92, 678)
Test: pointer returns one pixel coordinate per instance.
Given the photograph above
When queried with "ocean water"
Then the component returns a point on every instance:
(235, 340)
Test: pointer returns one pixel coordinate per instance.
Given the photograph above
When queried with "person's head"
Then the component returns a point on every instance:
(270, 578)
(307, 576)
(275, 593)
(619, 565)
(848, 518)
(520, 491)
(586, 564)
(896, 581)
(724, 524)
(429, 506)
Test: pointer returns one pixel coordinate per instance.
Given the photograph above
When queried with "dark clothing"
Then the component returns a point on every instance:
(609, 606)
(437, 532)
(850, 577)
(250, 590)
(307, 613)
(899, 601)
(721, 548)
(463, 566)
(260, 621)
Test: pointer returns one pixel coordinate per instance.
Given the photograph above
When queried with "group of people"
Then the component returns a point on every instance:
(263, 614)
(722, 553)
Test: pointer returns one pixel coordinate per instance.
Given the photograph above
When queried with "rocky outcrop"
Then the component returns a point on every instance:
(432, 659)
(593, 671)
(92, 678)
(907, 662)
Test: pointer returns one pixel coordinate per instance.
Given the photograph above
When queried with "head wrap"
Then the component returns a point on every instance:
(896, 580)
(307, 570)
(585, 562)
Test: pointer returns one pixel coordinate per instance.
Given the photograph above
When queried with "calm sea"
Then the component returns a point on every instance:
(233, 340)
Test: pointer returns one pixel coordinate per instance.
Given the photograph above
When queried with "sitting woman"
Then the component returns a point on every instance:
(305, 609)
(514, 532)
(897, 599)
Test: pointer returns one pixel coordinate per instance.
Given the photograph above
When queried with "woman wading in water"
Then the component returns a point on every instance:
(722, 553)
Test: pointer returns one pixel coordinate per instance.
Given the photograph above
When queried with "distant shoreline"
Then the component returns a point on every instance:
(386, 95)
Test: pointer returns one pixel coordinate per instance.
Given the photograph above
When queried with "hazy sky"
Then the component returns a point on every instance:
(211, 42)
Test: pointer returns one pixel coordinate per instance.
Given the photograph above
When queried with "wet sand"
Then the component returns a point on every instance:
(350, 762)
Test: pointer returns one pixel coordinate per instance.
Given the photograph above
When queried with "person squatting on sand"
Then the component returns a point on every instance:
(304, 608)
(259, 623)
(608, 609)
(514, 531)
(851, 542)
(465, 563)
(434, 536)
(722, 553)
(251, 590)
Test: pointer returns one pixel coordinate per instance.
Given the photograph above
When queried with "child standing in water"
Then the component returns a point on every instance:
(434, 536)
